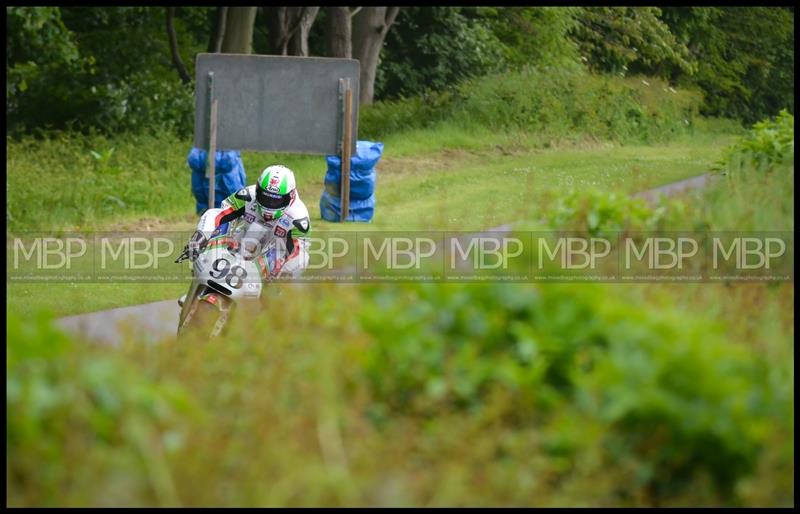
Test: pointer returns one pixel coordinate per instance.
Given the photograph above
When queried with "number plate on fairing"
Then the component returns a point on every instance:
(241, 277)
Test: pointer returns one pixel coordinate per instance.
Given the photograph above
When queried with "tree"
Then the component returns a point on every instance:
(238, 36)
(173, 47)
(338, 32)
(614, 39)
(39, 49)
(37, 41)
(370, 26)
(433, 48)
(288, 29)
(298, 44)
(218, 31)
(745, 57)
(107, 69)
(534, 35)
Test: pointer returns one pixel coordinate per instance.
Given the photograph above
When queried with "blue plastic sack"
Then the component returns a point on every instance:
(362, 171)
(360, 210)
(362, 184)
(229, 176)
(367, 155)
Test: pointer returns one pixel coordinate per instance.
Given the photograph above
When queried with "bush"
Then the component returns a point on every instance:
(382, 118)
(769, 144)
(64, 406)
(138, 103)
(664, 390)
(490, 395)
(549, 101)
(93, 69)
(602, 213)
(757, 191)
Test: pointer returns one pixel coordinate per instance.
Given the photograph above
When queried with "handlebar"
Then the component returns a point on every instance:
(183, 256)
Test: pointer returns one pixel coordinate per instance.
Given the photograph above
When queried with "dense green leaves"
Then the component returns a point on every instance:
(769, 144)
(435, 48)
(110, 68)
(669, 395)
(744, 56)
(105, 69)
(757, 191)
(38, 46)
(534, 35)
(559, 395)
(741, 58)
(616, 39)
(605, 214)
(62, 409)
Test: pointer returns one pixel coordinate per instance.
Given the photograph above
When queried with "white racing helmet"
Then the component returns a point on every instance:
(275, 191)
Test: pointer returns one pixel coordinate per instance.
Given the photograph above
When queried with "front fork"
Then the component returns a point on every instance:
(223, 304)
(189, 304)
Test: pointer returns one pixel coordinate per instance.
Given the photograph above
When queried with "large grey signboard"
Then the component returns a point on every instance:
(274, 103)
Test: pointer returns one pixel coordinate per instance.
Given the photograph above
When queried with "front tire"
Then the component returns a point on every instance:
(202, 322)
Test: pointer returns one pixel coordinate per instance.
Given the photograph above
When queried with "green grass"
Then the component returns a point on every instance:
(67, 299)
(149, 175)
(478, 189)
(439, 179)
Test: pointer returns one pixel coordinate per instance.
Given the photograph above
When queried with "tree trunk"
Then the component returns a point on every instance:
(288, 29)
(238, 38)
(215, 42)
(298, 44)
(370, 26)
(277, 29)
(338, 30)
(173, 47)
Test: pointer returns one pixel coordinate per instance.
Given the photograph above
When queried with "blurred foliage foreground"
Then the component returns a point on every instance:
(430, 395)
(433, 394)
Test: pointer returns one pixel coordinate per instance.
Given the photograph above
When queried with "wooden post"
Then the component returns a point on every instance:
(211, 157)
(347, 143)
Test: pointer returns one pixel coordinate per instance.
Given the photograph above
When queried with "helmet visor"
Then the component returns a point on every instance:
(272, 200)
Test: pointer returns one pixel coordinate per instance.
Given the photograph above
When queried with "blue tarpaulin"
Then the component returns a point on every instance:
(362, 183)
(229, 176)
(360, 210)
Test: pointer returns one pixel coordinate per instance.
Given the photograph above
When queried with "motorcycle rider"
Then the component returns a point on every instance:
(274, 203)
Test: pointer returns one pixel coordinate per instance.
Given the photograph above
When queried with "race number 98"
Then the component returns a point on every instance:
(234, 275)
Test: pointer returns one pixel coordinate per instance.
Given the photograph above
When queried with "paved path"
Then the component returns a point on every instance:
(151, 322)
(651, 195)
(158, 321)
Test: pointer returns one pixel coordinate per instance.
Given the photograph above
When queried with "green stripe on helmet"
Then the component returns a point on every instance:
(264, 179)
(284, 184)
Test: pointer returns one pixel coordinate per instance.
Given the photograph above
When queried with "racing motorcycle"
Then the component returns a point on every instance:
(231, 268)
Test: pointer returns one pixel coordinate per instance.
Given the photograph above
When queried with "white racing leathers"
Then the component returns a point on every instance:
(288, 229)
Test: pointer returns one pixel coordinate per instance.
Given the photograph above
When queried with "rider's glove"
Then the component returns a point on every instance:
(195, 245)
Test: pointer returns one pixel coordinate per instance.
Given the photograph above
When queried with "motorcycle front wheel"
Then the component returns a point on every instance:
(203, 322)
